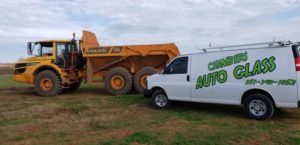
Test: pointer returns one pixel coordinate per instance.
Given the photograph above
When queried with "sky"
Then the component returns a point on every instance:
(191, 24)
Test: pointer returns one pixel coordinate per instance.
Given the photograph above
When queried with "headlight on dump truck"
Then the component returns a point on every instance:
(21, 67)
(32, 63)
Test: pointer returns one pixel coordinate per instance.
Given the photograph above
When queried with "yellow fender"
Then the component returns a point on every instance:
(47, 66)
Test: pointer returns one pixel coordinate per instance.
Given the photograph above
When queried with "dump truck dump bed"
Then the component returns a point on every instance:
(131, 57)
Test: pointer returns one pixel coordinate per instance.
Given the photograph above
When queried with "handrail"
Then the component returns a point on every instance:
(261, 44)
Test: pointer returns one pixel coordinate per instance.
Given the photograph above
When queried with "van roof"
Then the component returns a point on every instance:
(261, 45)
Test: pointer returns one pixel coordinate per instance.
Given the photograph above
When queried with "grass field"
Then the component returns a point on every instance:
(90, 116)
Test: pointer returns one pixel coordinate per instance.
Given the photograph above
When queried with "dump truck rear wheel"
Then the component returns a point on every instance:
(140, 77)
(48, 84)
(73, 87)
(118, 81)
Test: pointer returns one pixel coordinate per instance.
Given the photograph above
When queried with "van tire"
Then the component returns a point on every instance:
(259, 106)
(47, 84)
(123, 84)
(160, 104)
(140, 76)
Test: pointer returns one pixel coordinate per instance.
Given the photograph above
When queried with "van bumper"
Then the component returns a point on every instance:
(147, 93)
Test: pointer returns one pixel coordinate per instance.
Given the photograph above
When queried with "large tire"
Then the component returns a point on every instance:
(73, 87)
(258, 106)
(118, 81)
(140, 83)
(47, 84)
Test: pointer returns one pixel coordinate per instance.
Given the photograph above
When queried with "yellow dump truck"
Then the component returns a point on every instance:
(58, 65)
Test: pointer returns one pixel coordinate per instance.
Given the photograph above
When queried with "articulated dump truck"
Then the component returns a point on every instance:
(62, 65)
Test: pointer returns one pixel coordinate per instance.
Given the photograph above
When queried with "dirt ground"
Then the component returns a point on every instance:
(6, 68)
(91, 116)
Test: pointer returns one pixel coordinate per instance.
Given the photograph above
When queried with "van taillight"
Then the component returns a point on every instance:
(297, 63)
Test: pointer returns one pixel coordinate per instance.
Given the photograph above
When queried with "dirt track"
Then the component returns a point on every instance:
(6, 68)
(17, 91)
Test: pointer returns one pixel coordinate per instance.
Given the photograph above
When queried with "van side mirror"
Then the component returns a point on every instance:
(29, 48)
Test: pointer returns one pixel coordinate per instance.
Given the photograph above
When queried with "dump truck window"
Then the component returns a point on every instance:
(65, 48)
(36, 50)
(177, 66)
(60, 48)
(43, 49)
(46, 49)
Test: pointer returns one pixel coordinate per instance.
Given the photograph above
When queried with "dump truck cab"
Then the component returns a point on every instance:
(58, 52)
(57, 58)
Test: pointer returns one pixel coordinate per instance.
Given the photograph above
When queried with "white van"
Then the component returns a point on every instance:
(260, 77)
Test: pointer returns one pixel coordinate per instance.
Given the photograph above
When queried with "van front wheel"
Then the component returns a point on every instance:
(258, 106)
(160, 100)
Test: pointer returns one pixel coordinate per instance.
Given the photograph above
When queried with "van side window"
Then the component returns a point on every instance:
(177, 66)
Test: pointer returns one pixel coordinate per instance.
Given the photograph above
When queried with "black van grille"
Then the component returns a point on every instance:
(20, 68)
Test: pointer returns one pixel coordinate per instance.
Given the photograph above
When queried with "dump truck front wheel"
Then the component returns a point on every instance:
(47, 83)
(118, 81)
(140, 82)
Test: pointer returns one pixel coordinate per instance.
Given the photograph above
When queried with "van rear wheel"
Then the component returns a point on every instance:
(258, 106)
(48, 84)
(118, 81)
(160, 100)
(140, 83)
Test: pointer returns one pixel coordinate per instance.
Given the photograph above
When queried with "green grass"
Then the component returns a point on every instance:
(6, 82)
(73, 106)
(90, 116)
(20, 138)
(13, 122)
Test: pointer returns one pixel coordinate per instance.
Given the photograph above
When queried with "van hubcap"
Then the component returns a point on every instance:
(257, 107)
(161, 100)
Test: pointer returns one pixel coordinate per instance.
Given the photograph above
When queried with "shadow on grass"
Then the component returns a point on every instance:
(217, 110)
(212, 109)
(88, 91)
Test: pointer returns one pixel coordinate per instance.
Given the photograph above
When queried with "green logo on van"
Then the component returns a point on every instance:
(260, 66)
(266, 65)
(211, 79)
(227, 61)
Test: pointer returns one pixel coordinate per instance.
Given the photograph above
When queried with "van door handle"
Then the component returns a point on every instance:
(188, 78)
